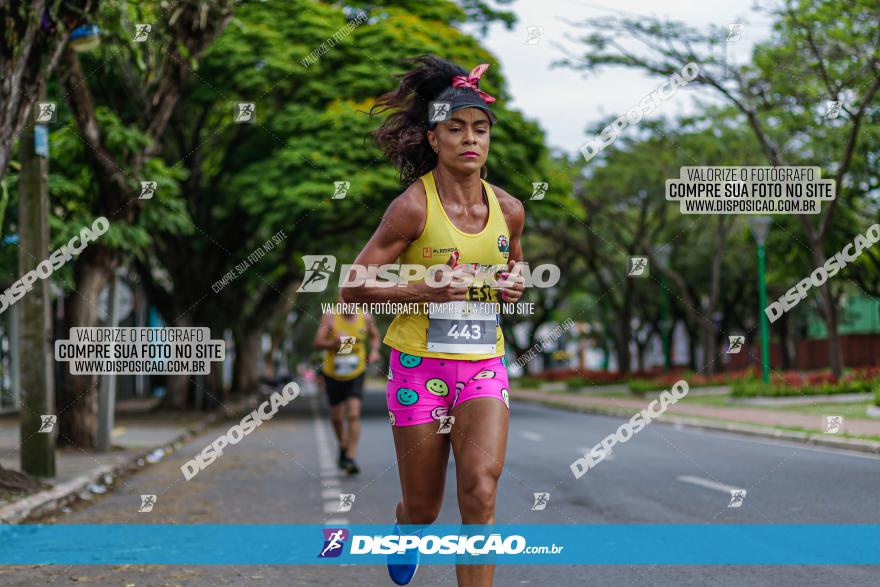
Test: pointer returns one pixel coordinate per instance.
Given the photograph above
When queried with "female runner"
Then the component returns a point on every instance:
(450, 362)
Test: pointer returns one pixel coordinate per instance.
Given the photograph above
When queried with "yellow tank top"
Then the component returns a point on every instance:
(351, 359)
(408, 333)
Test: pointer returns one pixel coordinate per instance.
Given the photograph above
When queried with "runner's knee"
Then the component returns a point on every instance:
(477, 493)
(421, 510)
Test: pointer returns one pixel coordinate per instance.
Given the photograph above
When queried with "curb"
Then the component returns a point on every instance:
(51, 500)
(819, 439)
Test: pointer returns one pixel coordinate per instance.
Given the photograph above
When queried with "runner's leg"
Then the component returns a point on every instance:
(479, 443)
(336, 399)
(422, 457)
(353, 418)
(337, 417)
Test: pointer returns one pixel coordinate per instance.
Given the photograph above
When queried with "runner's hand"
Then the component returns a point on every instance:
(375, 357)
(512, 283)
(457, 288)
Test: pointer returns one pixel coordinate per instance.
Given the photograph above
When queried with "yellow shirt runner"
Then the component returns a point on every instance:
(465, 330)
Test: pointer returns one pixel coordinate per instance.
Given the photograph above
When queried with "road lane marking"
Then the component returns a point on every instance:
(329, 472)
(782, 443)
(533, 436)
(708, 483)
(585, 451)
(330, 493)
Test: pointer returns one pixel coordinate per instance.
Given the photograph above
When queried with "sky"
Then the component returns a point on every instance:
(566, 102)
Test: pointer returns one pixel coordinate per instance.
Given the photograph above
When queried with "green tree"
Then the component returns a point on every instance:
(245, 182)
(821, 51)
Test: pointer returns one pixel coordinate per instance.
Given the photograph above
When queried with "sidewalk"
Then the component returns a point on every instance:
(138, 438)
(764, 422)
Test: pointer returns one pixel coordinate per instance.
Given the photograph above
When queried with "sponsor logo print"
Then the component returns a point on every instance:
(346, 500)
(439, 111)
(47, 423)
(539, 190)
(638, 267)
(334, 541)
(245, 112)
(541, 500)
(832, 109)
(340, 189)
(534, 34)
(736, 344)
(319, 268)
(142, 32)
(148, 188)
(503, 244)
(147, 503)
(832, 424)
(446, 423)
(45, 112)
(734, 32)
(346, 344)
(737, 496)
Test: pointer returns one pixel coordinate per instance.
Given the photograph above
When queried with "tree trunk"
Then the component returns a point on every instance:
(640, 355)
(215, 385)
(179, 385)
(709, 346)
(247, 361)
(829, 304)
(621, 342)
(785, 356)
(37, 455)
(78, 398)
(835, 357)
(692, 348)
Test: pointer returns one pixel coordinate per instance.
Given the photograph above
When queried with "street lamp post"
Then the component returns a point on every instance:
(662, 253)
(760, 226)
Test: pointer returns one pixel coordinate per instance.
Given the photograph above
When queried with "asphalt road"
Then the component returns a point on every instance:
(284, 473)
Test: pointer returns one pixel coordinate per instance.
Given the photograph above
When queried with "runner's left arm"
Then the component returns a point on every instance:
(512, 282)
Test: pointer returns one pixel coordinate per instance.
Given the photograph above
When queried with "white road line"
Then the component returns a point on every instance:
(328, 470)
(586, 450)
(330, 493)
(533, 436)
(780, 443)
(708, 483)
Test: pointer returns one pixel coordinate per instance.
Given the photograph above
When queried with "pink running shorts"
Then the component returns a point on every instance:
(424, 389)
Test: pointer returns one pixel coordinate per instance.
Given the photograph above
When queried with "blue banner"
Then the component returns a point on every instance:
(523, 544)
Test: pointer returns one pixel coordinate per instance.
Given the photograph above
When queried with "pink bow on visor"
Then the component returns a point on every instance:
(472, 80)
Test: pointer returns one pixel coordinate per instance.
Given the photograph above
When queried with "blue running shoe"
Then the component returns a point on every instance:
(402, 567)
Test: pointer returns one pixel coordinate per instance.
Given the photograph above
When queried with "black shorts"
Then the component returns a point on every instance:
(338, 391)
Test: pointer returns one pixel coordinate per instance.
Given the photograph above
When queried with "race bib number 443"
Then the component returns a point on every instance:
(462, 327)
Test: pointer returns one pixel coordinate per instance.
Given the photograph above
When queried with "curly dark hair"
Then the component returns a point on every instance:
(402, 136)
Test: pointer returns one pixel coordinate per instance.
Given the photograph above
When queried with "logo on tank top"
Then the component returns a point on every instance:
(503, 245)
(429, 252)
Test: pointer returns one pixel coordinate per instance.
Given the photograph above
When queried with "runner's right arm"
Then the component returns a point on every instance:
(324, 338)
(401, 225)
